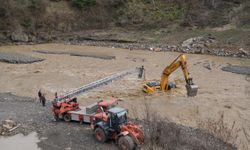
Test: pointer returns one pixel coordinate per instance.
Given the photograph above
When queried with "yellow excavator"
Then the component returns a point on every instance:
(164, 85)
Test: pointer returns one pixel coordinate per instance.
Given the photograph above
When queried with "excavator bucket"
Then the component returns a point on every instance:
(192, 89)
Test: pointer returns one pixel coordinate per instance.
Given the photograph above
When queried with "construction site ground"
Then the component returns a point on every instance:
(219, 92)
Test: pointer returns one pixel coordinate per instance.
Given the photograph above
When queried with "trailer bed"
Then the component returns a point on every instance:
(82, 114)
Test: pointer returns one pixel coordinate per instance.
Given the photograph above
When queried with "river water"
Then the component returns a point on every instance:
(20, 141)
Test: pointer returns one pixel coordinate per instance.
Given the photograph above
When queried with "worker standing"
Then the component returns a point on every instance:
(39, 95)
(141, 72)
(56, 95)
(43, 99)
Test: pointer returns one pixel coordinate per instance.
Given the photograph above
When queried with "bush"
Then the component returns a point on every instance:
(83, 4)
(220, 129)
(27, 23)
(35, 4)
(162, 134)
(117, 3)
(2, 12)
(37, 7)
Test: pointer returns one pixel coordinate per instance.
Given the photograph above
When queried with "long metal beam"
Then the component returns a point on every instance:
(96, 84)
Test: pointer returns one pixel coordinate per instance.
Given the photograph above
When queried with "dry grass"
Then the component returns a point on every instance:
(220, 129)
(162, 134)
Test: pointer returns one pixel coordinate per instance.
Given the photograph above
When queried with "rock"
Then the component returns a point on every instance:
(122, 22)
(2, 37)
(158, 49)
(221, 52)
(189, 42)
(9, 124)
(19, 37)
(32, 38)
(198, 45)
(242, 53)
(155, 49)
(207, 65)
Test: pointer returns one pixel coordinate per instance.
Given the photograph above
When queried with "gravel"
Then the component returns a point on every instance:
(61, 135)
(195, 49)
(33, 117)
(15, 58)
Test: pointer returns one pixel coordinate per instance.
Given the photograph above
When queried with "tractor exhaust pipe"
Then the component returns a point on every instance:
(192, 90)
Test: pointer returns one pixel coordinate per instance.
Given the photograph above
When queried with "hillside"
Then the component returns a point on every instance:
(170, 21)
(125, 74)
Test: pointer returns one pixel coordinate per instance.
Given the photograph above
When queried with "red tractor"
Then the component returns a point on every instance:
(108, 121)
(115, 126)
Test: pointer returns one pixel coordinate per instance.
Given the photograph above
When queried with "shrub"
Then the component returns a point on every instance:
(27, 23)
(2, 12)
(83, 4)
(162, 134)
(220, 129)
(34, 4)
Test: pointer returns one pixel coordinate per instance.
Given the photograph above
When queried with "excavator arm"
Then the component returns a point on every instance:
(191, 88)
(165, 74)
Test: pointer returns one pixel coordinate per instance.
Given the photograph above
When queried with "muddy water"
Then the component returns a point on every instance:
(20, 141)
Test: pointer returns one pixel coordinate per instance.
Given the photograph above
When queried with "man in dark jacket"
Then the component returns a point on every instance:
(39, 95)
(141, 72)
(43, 99)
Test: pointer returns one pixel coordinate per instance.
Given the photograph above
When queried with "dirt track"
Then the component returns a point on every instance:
(219, 91)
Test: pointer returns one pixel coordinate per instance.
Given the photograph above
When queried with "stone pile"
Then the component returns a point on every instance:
(197, 45)
(7, 126)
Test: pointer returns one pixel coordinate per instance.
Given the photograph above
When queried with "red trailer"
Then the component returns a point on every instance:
(69, 110)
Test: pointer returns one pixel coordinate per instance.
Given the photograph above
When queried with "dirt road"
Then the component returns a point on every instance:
(219, 91)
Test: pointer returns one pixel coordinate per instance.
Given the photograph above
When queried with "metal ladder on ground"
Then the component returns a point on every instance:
(96, 84)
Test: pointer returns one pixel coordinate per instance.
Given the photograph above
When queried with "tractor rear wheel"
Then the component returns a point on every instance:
(126, 143)
(66, 117)
(100, 135)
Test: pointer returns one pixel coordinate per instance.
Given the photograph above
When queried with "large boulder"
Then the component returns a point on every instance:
(19, 37)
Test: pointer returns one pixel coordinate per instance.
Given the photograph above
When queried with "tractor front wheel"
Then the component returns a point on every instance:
(126, 143)
(66, 117)
(56, 117)
(100, 135)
